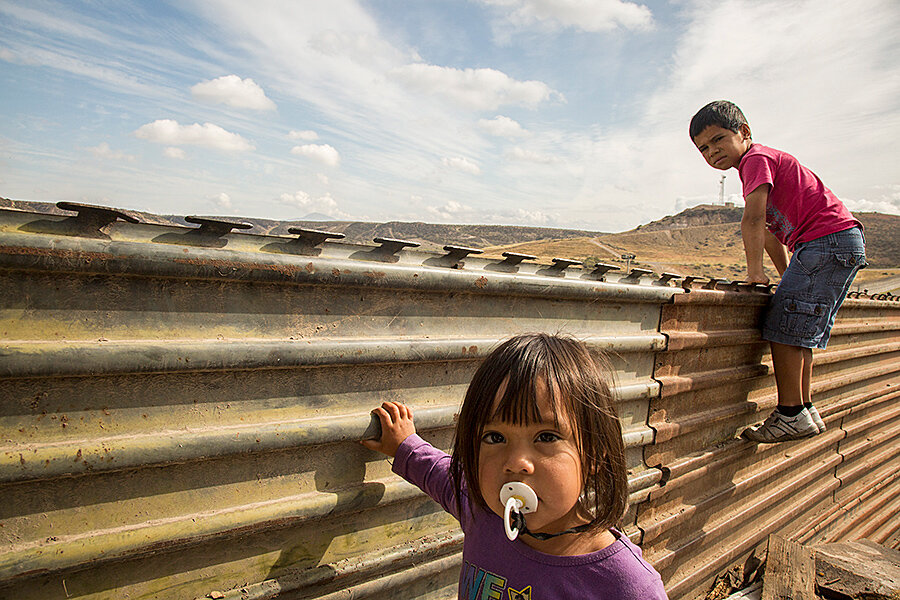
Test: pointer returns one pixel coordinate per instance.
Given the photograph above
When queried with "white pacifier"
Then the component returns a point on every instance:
(516, 496)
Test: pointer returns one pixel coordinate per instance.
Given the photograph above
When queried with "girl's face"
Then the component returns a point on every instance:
(544, 456)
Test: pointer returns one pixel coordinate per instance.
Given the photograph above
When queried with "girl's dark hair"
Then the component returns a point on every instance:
(722, 113)
(577, 380)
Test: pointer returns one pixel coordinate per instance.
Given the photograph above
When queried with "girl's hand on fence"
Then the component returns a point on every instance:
(396, 425)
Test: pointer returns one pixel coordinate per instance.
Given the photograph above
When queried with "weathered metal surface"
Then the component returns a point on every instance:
(722, 496)
(180, 409)
(182, 417)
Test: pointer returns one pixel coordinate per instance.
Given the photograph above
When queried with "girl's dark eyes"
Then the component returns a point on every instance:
(548, 437)
(492, 437)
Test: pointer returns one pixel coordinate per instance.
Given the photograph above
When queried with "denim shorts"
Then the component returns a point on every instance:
(812, 289)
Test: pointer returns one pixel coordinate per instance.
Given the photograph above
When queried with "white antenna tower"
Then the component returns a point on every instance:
(722, 191)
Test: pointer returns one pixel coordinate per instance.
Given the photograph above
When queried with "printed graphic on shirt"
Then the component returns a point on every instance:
(523, 595)
(478, 584)
(777, 223)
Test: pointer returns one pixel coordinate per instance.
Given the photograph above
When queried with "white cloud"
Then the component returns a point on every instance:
(887, 200)
(167, 131)
(104, 151)
(585, 15)
(324, 204)
(477, 89)
(501, 126)
(362, 48)
(173, 152)
(233, 91)
(532, 217)
(323, 153)
(450, 211)
(521, 154)
(323, 178)
(222, 201)
(306, 135)
(463, 164)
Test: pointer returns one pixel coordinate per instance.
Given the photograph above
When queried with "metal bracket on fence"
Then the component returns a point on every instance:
(387, 251)
(740, 286)
(454, 257)
(210, 234)
(510, 262)
(688, 281)
(635, 275)
(600, 271)
(713, 282)
(215, 228)
(559, 265)
(89, 222)
(665, 278)
(308, 239)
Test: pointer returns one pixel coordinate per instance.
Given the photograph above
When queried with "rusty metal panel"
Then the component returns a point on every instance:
(180, 408)
(722, 496)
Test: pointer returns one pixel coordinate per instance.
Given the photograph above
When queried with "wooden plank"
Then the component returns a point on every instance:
(790, 571)
(858, 569)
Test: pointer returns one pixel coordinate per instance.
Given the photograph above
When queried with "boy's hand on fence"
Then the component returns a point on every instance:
(396, 425)
(758, 278)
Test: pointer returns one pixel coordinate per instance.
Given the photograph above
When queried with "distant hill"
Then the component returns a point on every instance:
(703, 240)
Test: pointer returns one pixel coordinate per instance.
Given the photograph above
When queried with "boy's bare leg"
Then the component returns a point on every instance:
(790, 421)
(806, 377)
(790, 373)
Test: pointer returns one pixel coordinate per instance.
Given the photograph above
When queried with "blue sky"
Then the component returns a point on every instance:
(565, 113)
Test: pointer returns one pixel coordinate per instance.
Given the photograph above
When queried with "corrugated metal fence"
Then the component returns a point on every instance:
(180, 410)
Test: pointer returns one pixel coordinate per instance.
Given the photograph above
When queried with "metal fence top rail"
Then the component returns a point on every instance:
(99, 239)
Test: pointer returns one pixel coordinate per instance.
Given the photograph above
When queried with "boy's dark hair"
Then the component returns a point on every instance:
(722, 113)
(577, 381)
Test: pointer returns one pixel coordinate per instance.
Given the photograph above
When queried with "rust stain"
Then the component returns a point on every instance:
(336, 272)
(288, 270)
(374, 274)
(481, 282)
(56, 253)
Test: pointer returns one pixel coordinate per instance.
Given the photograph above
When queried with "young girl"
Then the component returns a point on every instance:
(538, 412)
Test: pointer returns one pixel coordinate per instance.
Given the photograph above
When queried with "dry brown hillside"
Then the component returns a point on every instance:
(704, 240)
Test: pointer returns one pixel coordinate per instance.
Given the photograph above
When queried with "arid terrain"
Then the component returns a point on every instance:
(704, 240)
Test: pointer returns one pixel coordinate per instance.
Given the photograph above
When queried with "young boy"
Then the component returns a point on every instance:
(786, 205)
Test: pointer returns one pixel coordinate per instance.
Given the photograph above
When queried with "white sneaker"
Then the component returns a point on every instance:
(817, 419)
(780, 428)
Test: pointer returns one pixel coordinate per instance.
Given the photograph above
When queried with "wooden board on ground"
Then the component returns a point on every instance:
(790, 571)
(860, 569)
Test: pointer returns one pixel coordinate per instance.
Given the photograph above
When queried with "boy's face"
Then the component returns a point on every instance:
(723, 148)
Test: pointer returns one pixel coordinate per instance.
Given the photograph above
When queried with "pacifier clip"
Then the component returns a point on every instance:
(518, 499)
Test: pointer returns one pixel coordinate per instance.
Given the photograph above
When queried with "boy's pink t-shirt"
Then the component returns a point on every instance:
(800, 207)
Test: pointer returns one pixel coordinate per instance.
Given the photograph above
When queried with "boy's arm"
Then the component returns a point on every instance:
(753, 232)
(777, 252)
